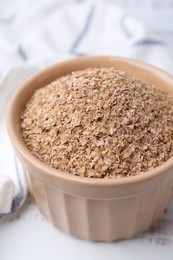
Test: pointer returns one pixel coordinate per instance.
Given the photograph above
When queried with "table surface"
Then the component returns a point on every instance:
(31, 236)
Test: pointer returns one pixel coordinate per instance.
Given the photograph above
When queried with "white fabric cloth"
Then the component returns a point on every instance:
(13, 189)
(34, 34)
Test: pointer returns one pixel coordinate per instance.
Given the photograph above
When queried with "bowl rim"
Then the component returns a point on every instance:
(64, 176)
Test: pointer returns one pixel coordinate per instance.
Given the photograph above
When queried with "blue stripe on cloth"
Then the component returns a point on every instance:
(123, 25)
(22, 53)
(18, 175)
(84, 30)
(80, 54)
(148, 41)
(8, 20)
(20, 195)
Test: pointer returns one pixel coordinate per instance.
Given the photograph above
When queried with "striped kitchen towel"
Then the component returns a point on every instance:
(13, 189)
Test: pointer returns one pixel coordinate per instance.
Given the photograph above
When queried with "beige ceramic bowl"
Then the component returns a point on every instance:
(93, 209)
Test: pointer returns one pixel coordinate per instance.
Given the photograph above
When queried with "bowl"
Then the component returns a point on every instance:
(93, 209)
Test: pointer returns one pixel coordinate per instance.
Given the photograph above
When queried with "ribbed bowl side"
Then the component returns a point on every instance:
(101, 220)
